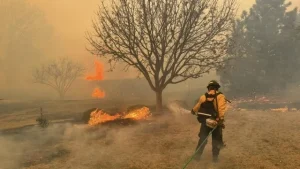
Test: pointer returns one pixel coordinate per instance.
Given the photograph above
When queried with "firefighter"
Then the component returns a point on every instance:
(210, 108)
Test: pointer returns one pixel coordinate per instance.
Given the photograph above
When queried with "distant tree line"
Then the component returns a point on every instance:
(265, 48)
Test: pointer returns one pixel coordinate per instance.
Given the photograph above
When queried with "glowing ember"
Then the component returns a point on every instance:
(99, 72)
(284, 109)
(97, 93)
(259, 100)
(138, 114)
(263, 99)
(98, 116)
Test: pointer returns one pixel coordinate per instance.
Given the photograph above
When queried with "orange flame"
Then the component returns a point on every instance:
(138, 114)
(99, 116)
(98, 93)
(98, 70)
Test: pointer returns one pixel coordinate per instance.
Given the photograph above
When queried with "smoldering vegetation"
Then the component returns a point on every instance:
(80, 145)
(30, 146)
(266, 64)
(258, 139)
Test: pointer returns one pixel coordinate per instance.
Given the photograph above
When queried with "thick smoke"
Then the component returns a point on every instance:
(83, 146)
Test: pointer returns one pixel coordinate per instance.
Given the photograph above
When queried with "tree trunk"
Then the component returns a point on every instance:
(159, 101)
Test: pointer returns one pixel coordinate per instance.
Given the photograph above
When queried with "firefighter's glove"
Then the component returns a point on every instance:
(192, 112)
(221, 122)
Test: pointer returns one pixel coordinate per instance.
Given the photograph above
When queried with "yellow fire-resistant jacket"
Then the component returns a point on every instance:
(221, 104)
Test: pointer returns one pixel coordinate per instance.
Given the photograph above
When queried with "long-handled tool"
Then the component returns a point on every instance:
(190, 159)
(204, 114)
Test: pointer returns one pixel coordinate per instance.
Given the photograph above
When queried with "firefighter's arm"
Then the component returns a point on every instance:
(198, 104)
(221, 105)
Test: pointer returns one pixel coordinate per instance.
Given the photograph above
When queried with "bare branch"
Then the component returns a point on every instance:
(59, 74)
(168, 41)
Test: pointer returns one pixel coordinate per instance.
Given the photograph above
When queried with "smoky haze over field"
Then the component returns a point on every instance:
(36, 31)
(33, 142)
(164, 143)
(14, 147)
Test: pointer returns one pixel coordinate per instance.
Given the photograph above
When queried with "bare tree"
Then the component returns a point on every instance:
(167, 41)
(59, 75)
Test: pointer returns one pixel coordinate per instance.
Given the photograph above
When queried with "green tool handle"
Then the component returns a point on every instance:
(190, 159)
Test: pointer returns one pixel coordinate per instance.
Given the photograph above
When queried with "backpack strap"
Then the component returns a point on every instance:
(217, 103)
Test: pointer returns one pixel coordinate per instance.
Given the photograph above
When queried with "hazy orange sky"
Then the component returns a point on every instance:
(72, 18)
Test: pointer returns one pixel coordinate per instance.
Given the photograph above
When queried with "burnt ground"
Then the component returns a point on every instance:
(255, 139)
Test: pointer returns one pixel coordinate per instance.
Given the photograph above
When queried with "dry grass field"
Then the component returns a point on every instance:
(255, 139)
